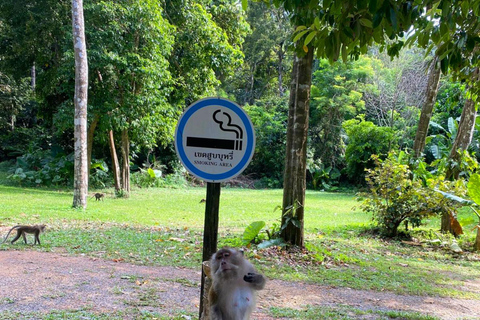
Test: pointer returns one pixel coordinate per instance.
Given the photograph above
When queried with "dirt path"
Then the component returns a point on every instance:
(40, 282)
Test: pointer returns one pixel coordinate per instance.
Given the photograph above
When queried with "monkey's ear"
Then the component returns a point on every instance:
(241, 252)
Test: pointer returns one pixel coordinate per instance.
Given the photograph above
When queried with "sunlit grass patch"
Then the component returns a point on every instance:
(344, 313)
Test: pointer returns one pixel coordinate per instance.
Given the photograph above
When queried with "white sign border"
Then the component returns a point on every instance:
(250, 143)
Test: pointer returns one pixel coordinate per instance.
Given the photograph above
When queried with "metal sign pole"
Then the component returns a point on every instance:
(210, 233)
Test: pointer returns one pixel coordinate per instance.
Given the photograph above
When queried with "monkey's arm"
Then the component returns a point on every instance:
(257, 280)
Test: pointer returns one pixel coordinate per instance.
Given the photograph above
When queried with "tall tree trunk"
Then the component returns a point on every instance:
(91, 131)
(427, 109)
(294, 184)
(280, 54)
(115, 164)
(461, 143)
(80, 189)
(465, 130)
(125, 162)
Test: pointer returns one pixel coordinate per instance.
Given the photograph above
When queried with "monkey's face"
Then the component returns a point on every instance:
(226, 261)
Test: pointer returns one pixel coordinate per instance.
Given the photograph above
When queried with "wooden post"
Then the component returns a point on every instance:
(210, 231)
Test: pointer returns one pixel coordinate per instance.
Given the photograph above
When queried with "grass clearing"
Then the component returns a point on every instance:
(345, 313)
(164, 227)
(85, 314)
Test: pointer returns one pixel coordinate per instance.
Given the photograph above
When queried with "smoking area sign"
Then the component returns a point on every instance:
(215, 139)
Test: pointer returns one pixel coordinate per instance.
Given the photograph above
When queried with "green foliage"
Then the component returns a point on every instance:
(43, 168)
(269, 118)
(474, 193)
(265, 70)
(464, 164)
(252, 231)
(364, 140)
(393, 196)
(154, 178)
(15, 101)
(322, 178)
(449, 102)
(337, 29)
(336, 95)
(99, 177)
(147, 178)
(399, 193)
(440, 144)
(22, 141)
(208, 36)
(129, 43)
(474, 188)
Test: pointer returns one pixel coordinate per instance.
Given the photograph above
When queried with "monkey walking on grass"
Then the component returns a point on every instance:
(23, 230)
(98, 196)
(234, 285)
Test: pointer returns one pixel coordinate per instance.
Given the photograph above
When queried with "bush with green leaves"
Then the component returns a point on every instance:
(43, 168)
(147, 178)
(99, 175)
(22, 141)
(400, 190)
(269, 117)
(364, 140)
(321, 178)
(474, 193)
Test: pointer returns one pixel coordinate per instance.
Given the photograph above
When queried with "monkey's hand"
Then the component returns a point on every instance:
(256, 279)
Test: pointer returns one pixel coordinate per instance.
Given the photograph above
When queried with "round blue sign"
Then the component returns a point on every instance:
(215, 139)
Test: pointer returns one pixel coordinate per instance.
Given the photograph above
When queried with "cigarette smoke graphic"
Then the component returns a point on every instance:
(227, 144)
(237, 129)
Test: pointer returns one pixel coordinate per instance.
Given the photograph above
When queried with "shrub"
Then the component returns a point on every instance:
(99, 176)
(399, 194)
(43, 168)
(269, 117)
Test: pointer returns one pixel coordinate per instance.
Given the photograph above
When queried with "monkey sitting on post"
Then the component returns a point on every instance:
(23, 230)
(98, 196)
(235, 282)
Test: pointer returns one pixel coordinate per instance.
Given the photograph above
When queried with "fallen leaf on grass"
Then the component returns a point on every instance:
(141, 283)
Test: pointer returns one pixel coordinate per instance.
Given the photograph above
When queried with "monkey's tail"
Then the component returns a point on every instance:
(10, 231)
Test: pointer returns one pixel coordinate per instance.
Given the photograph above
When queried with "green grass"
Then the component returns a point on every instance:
(132, 313)
(164, 226)
(345, 313)
(321, 313)
(178, 208)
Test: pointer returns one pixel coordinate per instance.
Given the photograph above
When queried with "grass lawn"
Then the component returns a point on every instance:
(164, 226)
